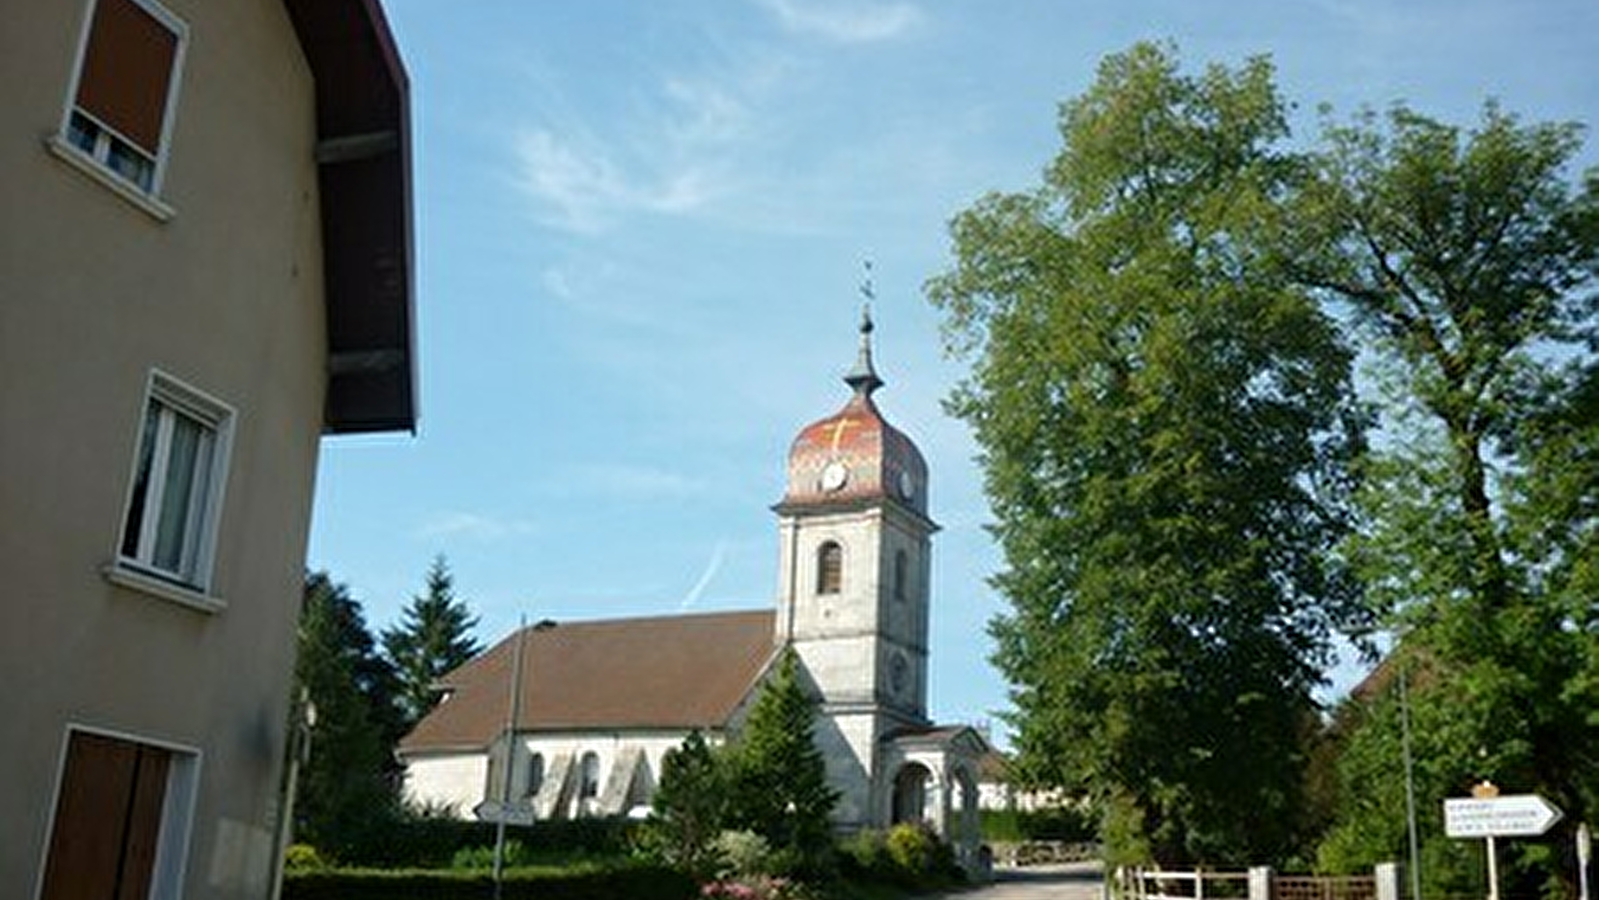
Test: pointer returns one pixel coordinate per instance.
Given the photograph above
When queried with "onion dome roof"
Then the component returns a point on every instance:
(855, 455)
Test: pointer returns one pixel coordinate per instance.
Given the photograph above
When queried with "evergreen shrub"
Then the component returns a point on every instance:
(907, 855)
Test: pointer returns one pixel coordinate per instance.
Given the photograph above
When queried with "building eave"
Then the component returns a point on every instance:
(364, 180)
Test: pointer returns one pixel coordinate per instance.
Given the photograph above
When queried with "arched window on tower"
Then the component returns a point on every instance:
(829, 568)
(901, 575)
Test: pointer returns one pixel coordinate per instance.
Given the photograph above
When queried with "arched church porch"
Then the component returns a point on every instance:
(933, 780)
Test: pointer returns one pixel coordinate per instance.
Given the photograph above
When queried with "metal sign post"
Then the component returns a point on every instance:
(1584, 857)
(1493, 869)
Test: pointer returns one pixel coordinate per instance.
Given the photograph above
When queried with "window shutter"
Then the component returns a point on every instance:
(127, 68)
(108, 820)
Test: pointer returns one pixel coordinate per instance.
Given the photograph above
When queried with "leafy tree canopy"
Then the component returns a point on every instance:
(1469, 261)
(1165, 419)
(347, 784)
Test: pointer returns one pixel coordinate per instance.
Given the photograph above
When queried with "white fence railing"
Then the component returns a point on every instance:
(1037, 853)
(1259, 883)
(1163, 884)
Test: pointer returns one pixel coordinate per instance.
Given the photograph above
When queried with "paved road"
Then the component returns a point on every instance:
(1076, 881)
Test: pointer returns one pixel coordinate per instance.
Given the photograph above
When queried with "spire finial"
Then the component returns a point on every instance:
(863, 378)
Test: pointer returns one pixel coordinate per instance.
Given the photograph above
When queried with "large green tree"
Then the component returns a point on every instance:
(347, 785)
(1164, 423)
(1466, 259)
(434, 636)
(777, 779)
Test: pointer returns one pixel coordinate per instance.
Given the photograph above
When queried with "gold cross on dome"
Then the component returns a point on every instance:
(839, 428)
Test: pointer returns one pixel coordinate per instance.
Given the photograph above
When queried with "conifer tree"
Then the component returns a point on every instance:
(433, 637)
(689, 805)
(779, 786)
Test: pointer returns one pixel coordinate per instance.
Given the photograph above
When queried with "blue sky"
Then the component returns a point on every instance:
(640, 228)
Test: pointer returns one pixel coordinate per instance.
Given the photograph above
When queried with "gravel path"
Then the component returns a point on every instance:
(1075, 881)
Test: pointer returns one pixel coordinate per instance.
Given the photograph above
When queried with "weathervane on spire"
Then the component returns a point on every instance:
(863, 378)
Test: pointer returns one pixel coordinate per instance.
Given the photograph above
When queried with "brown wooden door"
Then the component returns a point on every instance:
(108, 820)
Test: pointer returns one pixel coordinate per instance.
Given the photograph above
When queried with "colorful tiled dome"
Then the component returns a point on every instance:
(854, 455)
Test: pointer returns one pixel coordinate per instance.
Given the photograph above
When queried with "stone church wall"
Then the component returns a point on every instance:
(462, 780)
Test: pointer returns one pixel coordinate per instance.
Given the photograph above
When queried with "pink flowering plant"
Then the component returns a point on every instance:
(746, 871)
(753, 887)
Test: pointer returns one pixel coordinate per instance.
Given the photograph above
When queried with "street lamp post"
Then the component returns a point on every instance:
(510, 749)
(1410, 782)
(302, 721)
(510, 758)
(1408, 761)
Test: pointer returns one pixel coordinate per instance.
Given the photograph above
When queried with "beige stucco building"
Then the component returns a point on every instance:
(599, 703)
(205, 265)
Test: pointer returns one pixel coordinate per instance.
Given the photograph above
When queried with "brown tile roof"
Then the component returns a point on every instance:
(687, 671)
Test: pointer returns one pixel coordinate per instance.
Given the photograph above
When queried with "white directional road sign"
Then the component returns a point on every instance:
(512, 813)
(1516, 815)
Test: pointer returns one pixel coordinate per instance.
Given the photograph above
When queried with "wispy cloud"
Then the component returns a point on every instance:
(714, 137)
(583, 188)
(846, 21)
(673, 152)
(474, 526)
(718, 554)
(628, 481)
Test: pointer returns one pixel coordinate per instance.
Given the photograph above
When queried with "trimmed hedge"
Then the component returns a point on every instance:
(1055, 824)
(421, 843)
(628, 883)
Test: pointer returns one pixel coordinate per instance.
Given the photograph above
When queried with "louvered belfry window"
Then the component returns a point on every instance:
(829, 568)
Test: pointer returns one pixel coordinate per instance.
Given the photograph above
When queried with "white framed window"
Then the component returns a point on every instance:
(124, 89)
(175, 494)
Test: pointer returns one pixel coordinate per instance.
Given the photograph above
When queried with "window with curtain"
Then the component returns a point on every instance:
(173, 505)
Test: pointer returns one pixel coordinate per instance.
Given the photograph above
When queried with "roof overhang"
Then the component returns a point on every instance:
(363, 157)
(890, 505)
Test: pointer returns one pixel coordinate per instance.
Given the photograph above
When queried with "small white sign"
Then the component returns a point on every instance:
(1516, 815)
(512, 813)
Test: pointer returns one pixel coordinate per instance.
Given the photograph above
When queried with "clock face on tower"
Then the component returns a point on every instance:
(834, 474)
(907, 485)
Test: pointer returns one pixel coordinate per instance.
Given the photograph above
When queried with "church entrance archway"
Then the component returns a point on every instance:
(911, 787)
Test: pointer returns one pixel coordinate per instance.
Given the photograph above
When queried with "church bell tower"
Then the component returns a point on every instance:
(854, 567)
